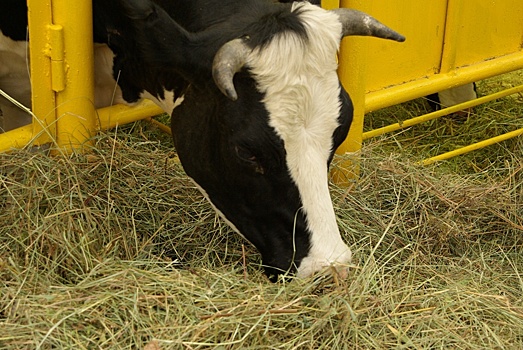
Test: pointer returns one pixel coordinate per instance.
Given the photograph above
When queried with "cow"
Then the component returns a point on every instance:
(453, 96)
(257, 109)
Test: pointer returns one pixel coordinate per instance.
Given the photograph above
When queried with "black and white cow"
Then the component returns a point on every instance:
(259, 108)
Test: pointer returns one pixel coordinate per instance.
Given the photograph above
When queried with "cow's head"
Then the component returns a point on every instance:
(259, 139)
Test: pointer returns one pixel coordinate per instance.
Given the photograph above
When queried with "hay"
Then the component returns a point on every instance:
(116, 249)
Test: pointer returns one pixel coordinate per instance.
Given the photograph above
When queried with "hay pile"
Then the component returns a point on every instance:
(116, 249)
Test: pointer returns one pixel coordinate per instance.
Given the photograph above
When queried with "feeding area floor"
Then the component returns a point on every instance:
(116, 249)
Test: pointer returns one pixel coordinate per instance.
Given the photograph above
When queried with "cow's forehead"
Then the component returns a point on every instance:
(302, 96)
(289, 57)
(298, 77)
(299, 81)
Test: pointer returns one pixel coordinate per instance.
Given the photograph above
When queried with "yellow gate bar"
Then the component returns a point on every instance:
(450, 42)
(352, 75)
(109, 117)
(408, 91)
(43, 98)
(17, 138)
(474, 146)
(434, 115)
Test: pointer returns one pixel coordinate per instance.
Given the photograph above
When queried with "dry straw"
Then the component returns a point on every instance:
(116, 249)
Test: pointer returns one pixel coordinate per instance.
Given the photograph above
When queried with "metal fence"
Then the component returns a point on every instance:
(449, 43)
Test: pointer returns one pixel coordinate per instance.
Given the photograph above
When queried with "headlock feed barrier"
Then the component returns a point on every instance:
(62, 64)
(449, 43)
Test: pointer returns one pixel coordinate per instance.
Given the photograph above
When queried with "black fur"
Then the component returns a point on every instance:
(227, 147)
(13, 19)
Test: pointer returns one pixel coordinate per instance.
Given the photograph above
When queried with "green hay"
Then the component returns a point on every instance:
(116, 249)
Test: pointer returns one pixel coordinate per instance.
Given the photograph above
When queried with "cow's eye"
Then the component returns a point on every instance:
(248, 157)
(244, 154)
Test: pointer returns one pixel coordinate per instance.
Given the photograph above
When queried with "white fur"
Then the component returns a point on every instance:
(456, 95)
(168, 103)
(302, 90)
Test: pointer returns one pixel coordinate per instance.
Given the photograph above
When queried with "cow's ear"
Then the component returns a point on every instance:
(138, 9)
(159, 40)
(228, 61)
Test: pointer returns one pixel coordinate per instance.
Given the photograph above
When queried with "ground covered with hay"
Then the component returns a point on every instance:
(116, 249)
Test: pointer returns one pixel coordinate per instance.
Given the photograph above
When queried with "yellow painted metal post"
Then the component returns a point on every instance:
(43, 98)
(330, 4)
(75, 111)
(450, 43)
(352, 76)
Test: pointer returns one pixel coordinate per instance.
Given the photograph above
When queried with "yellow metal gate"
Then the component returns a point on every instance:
(61, 51)
(449, 43)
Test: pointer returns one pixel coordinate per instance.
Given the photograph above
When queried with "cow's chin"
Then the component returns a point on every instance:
(337, 264)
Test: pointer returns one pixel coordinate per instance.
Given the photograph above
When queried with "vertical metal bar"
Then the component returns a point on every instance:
(450, 41)
(352, 76)
(43, 98)
(75, 111)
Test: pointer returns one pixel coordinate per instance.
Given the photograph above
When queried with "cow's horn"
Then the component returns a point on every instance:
(229, 60)
(358, 23)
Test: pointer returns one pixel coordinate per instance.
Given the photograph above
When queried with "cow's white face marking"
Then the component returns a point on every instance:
(302, 92)
(168, 103)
